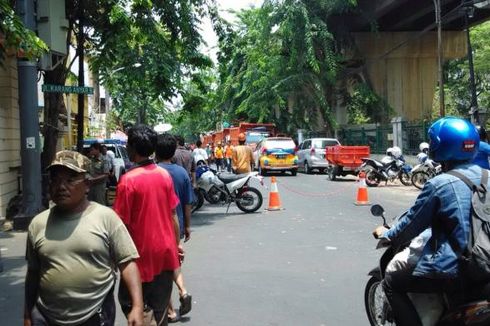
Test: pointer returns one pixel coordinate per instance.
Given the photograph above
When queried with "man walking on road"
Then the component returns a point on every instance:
(146, 202)
(183, 157)
(72, 249)
(242, 156)
(165, 149)
(99, 170)
(228, 156)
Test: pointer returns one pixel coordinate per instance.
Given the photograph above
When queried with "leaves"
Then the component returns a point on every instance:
(15, 36)
(457, 86)
(279, 64)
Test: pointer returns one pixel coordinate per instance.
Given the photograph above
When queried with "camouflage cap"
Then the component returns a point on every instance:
(72, 160)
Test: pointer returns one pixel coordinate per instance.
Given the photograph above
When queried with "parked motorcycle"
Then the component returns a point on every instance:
(434, 309)
(425, 171)
(228, 188)
(389, 169)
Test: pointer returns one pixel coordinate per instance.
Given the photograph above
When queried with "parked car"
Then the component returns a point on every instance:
(276, 154)
(121, 157)
(311, 154)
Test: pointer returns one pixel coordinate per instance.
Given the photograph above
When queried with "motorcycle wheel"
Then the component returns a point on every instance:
(377, 307)
(372, 179)
(419, 178)
(405, 179)
(249, 200)
(198, 200)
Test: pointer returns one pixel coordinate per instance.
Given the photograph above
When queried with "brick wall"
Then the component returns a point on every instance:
(9, 133)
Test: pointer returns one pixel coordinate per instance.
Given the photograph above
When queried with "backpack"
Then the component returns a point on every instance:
(475, 259)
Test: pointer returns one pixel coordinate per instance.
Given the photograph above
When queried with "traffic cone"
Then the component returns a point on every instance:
(362, 192)
(274, 200)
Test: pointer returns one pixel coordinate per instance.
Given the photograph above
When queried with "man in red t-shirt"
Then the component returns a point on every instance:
(146, 202)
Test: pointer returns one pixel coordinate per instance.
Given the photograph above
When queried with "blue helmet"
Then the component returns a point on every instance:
(453, 139)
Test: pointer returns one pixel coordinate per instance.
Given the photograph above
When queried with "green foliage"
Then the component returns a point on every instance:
(278, 64)
(15, 36)
(365, 106)
(457, 85)
(161, 38)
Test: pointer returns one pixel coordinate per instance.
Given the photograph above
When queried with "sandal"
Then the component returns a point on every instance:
(185, 304)
(174, 319)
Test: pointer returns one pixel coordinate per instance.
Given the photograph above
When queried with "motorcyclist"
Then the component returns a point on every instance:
(443, 205)
(424, 152)
(481, 158)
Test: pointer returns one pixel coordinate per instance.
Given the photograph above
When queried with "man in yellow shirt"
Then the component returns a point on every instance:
(219, 155)
(242, 156)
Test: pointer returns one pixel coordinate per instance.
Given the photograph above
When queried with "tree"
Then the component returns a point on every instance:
(457, 86)
(160, 35)
(280, 63)
(14, 36)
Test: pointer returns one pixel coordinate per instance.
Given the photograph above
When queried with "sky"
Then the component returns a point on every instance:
(224, 5)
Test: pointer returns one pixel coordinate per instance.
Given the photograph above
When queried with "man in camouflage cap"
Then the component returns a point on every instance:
(72, 249)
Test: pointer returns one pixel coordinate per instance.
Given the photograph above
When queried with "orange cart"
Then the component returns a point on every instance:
(344, 160)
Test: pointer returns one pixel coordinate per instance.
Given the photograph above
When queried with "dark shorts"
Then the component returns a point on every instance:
(104, 316)
(156, 296)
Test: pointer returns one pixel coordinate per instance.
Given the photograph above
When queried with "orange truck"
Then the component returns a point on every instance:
(254, 132)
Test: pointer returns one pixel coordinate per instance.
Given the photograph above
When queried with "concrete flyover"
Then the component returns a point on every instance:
(394, 48)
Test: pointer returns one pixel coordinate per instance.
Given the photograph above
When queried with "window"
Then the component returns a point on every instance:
(322, 143)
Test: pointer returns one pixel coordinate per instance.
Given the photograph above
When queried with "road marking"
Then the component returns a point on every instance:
(330, 248)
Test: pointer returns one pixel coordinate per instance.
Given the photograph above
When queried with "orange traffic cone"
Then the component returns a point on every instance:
(362, 192)
(274, 200)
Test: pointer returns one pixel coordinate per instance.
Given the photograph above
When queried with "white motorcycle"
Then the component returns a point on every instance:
(425, 171)
(228, 188)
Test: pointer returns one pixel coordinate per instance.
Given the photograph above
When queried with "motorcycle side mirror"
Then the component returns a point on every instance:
(377, 210)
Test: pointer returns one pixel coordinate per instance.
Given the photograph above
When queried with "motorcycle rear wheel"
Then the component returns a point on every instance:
(377, 308)
(419, 178)
(246, 201)
(372, 178)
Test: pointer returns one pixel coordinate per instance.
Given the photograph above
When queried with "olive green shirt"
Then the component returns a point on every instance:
(76, 257)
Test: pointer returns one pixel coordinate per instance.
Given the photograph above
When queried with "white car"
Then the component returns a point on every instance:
(120, 159)
(311, 154)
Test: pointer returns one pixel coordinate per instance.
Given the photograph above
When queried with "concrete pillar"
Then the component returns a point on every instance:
(397, 123)
(300, 136)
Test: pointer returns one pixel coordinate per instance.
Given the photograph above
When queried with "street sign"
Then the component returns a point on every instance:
(67, 89)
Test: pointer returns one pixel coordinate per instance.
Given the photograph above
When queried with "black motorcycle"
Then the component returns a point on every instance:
(389, 169)
(444, 309)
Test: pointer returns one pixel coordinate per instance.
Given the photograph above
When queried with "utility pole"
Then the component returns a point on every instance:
(81, 77)
(30, 150)
(440, 57)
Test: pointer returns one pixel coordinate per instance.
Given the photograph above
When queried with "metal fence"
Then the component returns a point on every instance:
(413, 135)
(380, 137)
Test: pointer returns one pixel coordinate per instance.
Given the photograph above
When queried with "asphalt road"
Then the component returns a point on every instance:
(304, 265)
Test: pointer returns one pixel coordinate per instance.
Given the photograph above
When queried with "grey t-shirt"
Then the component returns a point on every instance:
(76, 257)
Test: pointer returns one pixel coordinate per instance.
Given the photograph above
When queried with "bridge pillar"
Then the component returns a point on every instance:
(406, 75)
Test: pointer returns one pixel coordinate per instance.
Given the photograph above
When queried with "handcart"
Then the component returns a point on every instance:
(344, 160)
